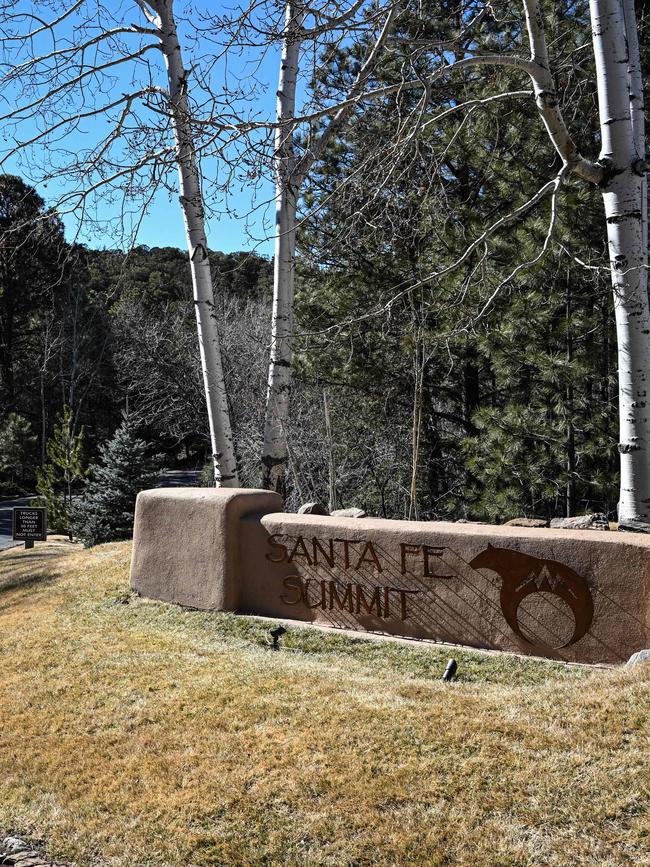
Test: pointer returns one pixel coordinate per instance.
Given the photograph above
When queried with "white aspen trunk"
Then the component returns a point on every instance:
(624, 188)
(191, 199)
(274, 449)
(289, 174)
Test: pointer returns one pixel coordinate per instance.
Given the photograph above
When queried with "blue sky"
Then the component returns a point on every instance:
(162, 223)
(163, 227)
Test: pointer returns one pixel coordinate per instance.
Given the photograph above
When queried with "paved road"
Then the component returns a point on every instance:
(169, 479)
(179, 479)
(5, 520)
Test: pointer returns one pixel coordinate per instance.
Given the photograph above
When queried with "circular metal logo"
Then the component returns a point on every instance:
(523, 575)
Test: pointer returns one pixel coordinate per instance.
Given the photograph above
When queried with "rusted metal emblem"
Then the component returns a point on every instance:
(523, 575)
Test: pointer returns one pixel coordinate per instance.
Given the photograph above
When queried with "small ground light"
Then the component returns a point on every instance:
(450, 671)
(276, 634)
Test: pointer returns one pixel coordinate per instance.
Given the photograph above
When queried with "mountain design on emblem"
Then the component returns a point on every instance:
(545, 580)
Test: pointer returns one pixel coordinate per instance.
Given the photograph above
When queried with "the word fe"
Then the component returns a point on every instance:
(347, 554)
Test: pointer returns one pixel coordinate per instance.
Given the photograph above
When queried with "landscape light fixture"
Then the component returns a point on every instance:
(276, 634)
(450, 671)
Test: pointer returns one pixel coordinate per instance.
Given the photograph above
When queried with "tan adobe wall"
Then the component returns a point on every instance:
(577, 595)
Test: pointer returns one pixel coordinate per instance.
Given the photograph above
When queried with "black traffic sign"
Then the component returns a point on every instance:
(29, 524)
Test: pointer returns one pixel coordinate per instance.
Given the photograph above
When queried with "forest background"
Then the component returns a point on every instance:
(434, 405)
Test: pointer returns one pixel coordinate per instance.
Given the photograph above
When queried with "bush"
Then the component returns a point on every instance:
(206, 476)
(106, 510)
(56, 481)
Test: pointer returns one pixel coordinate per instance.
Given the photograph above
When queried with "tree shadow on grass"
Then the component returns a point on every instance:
(21, 558)
(23, 582)
(27, 572)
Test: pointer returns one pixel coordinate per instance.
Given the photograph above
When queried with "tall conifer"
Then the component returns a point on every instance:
(106, 510)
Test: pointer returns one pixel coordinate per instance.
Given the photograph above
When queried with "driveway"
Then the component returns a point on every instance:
(179, 479)
(168, 479)
(5, 519)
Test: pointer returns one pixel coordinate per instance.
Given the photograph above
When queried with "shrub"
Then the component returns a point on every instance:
(106, 510)
(64, 469)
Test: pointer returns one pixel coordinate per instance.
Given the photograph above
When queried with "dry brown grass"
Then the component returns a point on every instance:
(140, 734)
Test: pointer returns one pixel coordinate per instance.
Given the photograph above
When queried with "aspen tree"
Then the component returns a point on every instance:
(160, 14)
(274, 450)
(624, 187)
(61, 74)
(290, 172)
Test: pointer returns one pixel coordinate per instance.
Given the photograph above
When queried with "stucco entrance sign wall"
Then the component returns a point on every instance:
(574, 595)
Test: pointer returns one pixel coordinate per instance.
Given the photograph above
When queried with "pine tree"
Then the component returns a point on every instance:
(56, 481)
(513, 399)
(106, 511)
(17, 447)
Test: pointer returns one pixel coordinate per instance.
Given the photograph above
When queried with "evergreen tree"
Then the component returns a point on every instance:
(55, 483)
(31, 252)
(502, 386)
(106, 510)
(17, 450)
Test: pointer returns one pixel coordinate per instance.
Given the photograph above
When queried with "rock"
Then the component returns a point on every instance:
(526, 522)
(312, 509)
(13, 844)
(597, 521)
(639, 656)
(634, 527)
(348, 513)
(26, 859)
(15, 852)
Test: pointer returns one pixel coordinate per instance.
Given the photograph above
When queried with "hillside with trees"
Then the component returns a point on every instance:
(439, 309)
(95, 332)
(517, 418)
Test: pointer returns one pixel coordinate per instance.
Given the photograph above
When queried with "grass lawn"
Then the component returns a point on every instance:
(137, 733)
